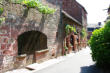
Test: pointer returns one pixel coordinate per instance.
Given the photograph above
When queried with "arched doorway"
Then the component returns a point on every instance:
(72, 41)
(29, 42)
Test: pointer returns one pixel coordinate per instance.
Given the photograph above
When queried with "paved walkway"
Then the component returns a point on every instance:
(80, 62)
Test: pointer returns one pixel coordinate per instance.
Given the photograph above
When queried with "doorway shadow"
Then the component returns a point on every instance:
(90, 69)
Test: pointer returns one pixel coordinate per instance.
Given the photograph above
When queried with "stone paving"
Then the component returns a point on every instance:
(81, 62)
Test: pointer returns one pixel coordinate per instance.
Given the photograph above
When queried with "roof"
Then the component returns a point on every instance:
(94, 26)
(70, 17)
(82, 7)
(109, 8)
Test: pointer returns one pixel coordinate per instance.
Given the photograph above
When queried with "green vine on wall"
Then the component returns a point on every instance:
(1, 19)
(1, 10)
(70, 29)
(66, 48)
(35, 4)
(83, 33)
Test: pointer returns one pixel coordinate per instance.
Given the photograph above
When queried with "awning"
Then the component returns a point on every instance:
(70, 17)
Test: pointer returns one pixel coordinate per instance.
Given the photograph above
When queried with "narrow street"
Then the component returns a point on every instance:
(81, 62)
(45, 36)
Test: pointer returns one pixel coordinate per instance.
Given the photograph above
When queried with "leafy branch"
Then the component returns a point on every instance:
(2, 19)
(35, 4)
(83, 33)
(70, 29)
(1, 4)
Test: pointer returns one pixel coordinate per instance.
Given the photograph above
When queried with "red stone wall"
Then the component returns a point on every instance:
(72, 8)
(16, 24)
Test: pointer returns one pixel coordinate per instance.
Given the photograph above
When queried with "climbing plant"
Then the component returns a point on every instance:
(70, 29)
(36, 4)
(1, 11)
(74, 29)
(1, 19)
(66, 48)
(83, 33)
(67, 29)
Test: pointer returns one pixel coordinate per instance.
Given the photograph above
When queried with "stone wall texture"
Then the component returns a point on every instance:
(48, 28)
(19, 20)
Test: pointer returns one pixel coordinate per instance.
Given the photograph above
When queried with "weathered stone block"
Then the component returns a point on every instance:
(42, 55)
(5, 40)
(20, 61)
(3, 46)
(7, 52)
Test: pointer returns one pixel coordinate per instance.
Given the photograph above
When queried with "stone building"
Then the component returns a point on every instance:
(75, 15)
(108, 11)
(28, 36)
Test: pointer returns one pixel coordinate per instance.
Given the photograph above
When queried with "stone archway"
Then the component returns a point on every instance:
(31, 41)
(28, 43)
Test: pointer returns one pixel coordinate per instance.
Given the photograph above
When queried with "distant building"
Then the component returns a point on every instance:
(75, 15)
(92, 27)
(109, 10)
(108, 18)
(76, 11)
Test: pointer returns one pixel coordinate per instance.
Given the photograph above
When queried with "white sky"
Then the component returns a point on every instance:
(95, 9)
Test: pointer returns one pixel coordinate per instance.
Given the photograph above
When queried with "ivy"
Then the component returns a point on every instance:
(66, 48)
(1, 10)
(83, 33)
(70, 29)
(36, 4)
(74, 29)
(17, 1)
(2, 19)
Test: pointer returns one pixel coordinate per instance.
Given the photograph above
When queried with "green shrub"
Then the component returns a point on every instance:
(70, 29)
(100, 46)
